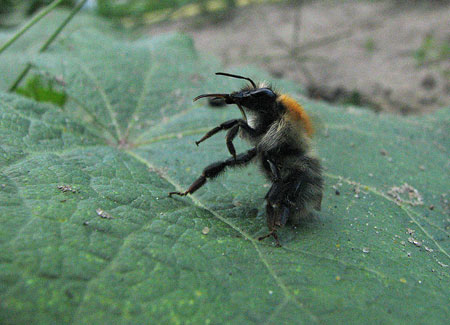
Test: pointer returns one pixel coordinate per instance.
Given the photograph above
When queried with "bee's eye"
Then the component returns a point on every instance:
(263, 93)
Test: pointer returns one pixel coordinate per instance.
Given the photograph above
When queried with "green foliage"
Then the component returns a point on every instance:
(27, 8)
(88, 234)
(135, 8)
(35, 5)
(138, 8)
(17, 56)
(370, 45)
(6, 6)
(431, 51)
(42, 91)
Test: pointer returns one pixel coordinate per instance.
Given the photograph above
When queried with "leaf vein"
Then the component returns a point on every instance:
(288, 295)
(408, 211)
(104, 96)
(133, 118)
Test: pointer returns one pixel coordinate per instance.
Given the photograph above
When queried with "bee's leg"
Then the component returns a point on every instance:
(224, 126)
(216, 168)
(279, 204)
(277, 213)
(276, 218)
(270, 218)
(234, 126)
(274, 170)
(285, 209)
(273, 233)
(230, 137)
(231, 134)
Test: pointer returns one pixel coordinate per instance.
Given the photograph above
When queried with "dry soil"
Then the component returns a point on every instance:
(390, 56)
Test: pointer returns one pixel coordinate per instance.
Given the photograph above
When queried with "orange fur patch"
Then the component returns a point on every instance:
(297, 113)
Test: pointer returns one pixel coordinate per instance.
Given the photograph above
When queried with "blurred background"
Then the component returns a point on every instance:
(388, 55)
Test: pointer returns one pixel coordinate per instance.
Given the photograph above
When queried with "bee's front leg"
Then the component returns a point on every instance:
(231, 134)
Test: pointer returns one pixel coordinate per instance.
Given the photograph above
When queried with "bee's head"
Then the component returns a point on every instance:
(252, 98)
(259, 99)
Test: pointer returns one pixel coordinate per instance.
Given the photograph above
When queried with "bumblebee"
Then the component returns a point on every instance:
(280, 131)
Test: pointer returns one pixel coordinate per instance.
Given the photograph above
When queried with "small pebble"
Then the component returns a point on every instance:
(103, 214)
(414, 241)
(442, 264)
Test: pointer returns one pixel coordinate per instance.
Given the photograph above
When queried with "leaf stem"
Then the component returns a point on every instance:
(49, 41)
(30, 24)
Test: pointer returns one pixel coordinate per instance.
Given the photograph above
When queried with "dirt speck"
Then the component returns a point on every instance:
(442, 264)
(67, 188)
(103, 214)
(415, 241)
(406, 194)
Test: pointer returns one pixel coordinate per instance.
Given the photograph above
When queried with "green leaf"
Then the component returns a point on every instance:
(16, 57)
(42, 91)
(88, 234)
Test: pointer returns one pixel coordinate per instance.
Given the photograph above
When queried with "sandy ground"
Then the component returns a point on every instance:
(390, 57)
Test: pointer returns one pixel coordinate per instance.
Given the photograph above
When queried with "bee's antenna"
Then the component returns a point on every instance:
(212, 95)
(236, 76)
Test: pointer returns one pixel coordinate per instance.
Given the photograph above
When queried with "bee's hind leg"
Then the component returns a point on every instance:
(273, 233)
(276, 218)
